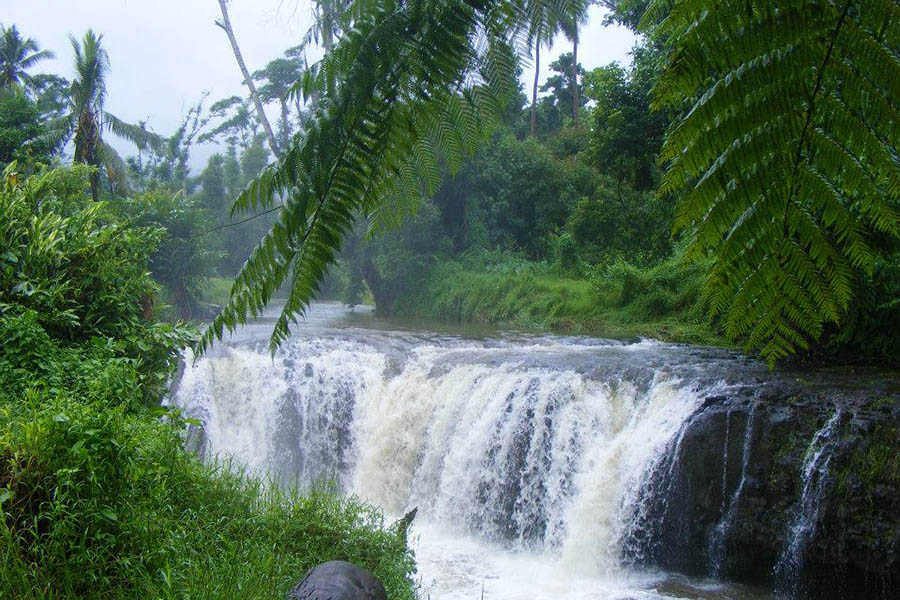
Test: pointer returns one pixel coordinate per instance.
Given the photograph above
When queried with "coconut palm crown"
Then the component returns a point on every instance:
(17, 55)
(86, 119)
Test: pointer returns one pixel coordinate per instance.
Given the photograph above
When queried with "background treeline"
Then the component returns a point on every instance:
(564, 228)
(49, 119)
(559, 207)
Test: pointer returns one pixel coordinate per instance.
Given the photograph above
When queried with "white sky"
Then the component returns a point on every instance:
(165, 53)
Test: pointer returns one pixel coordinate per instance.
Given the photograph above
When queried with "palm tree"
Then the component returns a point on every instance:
(86, 118)
(575, 16)
(16, 55)
(543, 24)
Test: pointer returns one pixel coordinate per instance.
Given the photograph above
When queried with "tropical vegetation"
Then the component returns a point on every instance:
(99, 499)
(785, 163)
(17, 55)
(736, 183)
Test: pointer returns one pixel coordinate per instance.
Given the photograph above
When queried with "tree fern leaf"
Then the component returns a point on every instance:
(786, 159)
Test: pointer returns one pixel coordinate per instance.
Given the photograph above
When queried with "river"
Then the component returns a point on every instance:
(526, 454)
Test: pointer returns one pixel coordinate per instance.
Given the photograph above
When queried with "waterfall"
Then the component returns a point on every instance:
(290, 417)
(717, 544)
(509, 443)
(803, 525)
(542, 467)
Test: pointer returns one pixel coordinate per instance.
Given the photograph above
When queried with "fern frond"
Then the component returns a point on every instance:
(786, 160)
(393, 106)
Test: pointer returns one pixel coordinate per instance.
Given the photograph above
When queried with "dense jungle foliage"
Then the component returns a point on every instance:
(98, 496)
(721, 188)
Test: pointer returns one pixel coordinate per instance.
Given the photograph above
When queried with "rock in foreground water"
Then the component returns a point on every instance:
(338, 580)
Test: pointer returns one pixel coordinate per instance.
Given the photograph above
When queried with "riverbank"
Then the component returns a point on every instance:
(621, 302)
(618, 302)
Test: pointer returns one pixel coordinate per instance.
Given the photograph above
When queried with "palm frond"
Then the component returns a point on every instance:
(30, 61)
(786, 161)
(135, 134)
(116, 169)
(91, 69)
(58, 131)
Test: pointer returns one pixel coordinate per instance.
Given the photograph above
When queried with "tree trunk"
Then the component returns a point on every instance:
(286, 124)
(384, 294)
(575, 75)
(87, 140)
(299, 111)
(225, 24)
(534, 90)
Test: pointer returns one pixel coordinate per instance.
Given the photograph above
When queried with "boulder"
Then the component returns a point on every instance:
(338, 580)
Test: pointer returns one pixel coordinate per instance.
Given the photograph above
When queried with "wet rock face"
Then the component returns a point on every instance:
(792, 486)
(338, 580)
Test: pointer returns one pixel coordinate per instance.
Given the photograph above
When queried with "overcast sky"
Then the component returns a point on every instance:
(165, 53)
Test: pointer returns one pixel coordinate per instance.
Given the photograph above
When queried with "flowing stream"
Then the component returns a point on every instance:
(524, 454)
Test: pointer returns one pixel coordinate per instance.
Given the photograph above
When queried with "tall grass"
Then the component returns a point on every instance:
(107, 504)
(618, 300)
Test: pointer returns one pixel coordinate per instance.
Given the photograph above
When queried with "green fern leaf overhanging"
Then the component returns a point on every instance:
(785, 163)
(410, 84)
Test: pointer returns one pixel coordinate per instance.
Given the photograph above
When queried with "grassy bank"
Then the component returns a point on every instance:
(100, 499)
(103, 502)
(619, 301)
(216, 290)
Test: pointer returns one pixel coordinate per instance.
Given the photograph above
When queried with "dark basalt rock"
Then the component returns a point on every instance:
(706, 480)
(338, 580)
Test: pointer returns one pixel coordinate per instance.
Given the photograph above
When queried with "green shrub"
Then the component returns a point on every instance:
(869, 331)
(73, 272)
(564, 251)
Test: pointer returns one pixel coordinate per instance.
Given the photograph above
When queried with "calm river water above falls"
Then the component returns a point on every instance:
(526, 455)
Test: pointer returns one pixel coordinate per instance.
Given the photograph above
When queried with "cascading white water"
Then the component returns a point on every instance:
(717, 545)
(803, 526)
(519, 456)
(290, 417)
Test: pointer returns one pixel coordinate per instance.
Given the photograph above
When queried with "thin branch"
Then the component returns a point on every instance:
(820, 76)
(256, 216)
(816, 90)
